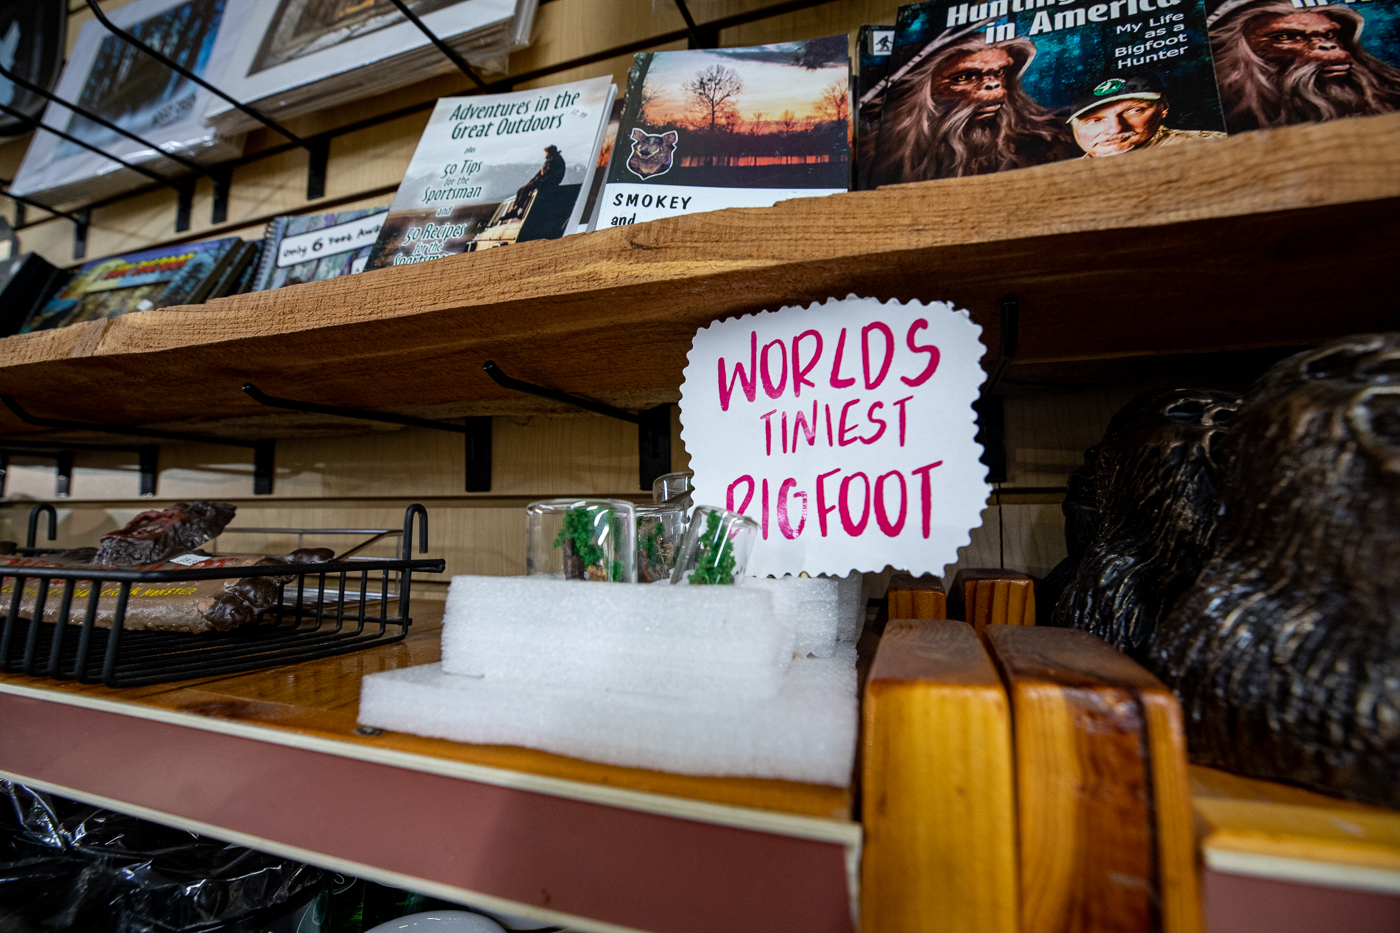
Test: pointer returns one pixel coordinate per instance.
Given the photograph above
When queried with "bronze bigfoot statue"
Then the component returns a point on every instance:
(1285, 653)
(1141, 516)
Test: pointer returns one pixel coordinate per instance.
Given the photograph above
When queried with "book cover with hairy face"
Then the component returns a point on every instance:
(975, 88)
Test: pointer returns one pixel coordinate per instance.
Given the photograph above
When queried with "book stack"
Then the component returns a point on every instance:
(127, 87)
(185, 274)
(293, 58)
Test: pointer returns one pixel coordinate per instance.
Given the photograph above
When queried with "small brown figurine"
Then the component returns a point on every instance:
(1285, 653)
(1142, 519)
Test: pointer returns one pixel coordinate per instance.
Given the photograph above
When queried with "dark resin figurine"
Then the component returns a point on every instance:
(1285, 653)
(1141, 515)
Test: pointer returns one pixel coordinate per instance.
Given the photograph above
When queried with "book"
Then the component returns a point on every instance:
(33, 34)
(237, 275)
(1280, 62)
(704, 129)
(496, 169)
(114, 79)
(26, 282)
(154, 278)
(295, 56)
(985, 87)
(312, 247)
(873, 47)
(588, 219)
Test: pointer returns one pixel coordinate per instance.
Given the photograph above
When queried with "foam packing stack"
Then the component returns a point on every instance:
(754, 680)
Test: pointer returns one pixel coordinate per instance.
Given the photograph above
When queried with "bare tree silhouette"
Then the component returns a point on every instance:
(713, 91)
(788, 121)
(835, 102)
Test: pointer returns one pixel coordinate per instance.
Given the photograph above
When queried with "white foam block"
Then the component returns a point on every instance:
(805, 733)
(676, 641)
(851, 593)
(812, 605)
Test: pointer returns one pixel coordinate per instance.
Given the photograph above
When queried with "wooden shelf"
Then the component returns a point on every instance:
(1274, 238)
(272, 760)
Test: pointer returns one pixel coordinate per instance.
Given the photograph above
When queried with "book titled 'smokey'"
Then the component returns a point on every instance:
(743, 127)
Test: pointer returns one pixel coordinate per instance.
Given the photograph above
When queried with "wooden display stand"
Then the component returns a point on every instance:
(911, 597)
(1101, 787)
(939, 805)
(995, 597)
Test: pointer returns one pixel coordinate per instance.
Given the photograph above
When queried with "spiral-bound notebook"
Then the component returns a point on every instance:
(312, 247)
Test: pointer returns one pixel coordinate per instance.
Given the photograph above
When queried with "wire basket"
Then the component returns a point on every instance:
(326, 609)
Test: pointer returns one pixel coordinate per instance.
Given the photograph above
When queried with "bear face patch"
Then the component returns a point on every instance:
(651, 154)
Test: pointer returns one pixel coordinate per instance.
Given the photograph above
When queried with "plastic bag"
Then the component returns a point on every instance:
(69, 866)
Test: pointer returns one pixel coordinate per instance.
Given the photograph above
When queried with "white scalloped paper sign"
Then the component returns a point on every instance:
(845, 429)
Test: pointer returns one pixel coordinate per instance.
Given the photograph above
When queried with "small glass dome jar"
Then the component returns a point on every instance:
(717, 547)
(661, 526)
(672, 486)
(582, 539)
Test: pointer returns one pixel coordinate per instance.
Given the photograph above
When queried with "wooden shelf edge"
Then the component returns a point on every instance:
(1180, 250)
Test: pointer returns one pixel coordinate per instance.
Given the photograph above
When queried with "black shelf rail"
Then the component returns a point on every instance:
(476, 430)
(81, 220)
(62, 453)
(185, 202)
(653, 424)
(318, 146)
(264, 451)
(318, 149)
(448, 52)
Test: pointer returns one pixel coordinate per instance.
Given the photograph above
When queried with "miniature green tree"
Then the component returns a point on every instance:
(714, 563)
(579, 537)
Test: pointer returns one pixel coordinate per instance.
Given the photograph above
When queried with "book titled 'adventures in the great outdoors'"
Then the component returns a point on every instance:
(498, 169)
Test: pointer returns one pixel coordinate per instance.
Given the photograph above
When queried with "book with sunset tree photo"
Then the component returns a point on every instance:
(705, 129)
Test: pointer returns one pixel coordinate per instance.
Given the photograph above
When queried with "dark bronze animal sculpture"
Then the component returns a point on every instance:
(1141, 516)
(1285, 653)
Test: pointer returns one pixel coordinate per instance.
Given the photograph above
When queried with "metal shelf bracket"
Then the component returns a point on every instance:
(991, 411)
(653, 424)
(264, 451)
(477, 430)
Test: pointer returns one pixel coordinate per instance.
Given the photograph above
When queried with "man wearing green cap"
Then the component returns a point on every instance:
(1120, 114)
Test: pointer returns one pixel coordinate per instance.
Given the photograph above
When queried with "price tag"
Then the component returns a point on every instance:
(845, 429)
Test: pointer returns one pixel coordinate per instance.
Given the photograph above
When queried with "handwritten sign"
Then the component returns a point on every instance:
(845, 429)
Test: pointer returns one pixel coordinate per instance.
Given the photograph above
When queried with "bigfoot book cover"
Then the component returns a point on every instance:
(706, 129)
(497, 169)
(985, 87)
(1297, 61)
(873, 47)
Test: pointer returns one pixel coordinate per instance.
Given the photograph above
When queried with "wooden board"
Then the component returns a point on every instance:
(938, 806)
(1252, 823)
(321, 699)
(1177, 250)
(1104, 807)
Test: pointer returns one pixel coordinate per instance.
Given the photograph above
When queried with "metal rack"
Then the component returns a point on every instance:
(311, 620)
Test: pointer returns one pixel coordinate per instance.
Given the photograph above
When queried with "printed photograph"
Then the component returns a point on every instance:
(301, 27)
(1281, 62)
(976, 88)
(138, 93)
(773, 116)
